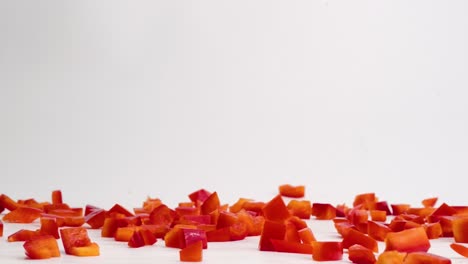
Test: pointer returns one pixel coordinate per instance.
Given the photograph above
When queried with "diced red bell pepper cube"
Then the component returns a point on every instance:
(424, 257)
(49, 227)
(306, 235)
(429, 202)
(1, 228)
(399, 209)
(124, 234)
(291, 247)
(109, 227)
(23, 235)
(199, 196)
(226, 219)
(8, 203)
(391, 257)
(175, 237)
(252, 206)
(377, 215)
(192, 252)
(382, 206)
(323, 211)
(444, 210)
(361, 255)
(162, 215)
(271, 230)
(210, 204)
(195, 219)
(365, 199)
(192, 236)
(460, 229)
(85, 251)
(219, 235)
(22, 214)
(254, 224)
(354, 237)
(238, 231)
(327, 250)
(409, 240)
(159, 231)
(301, 209)
(237, 206)
(42, 247)
(117, 209)
(74, 237)
(460, 249)
(142, 237)
(377, 231)
(291, 234)
(292, 191)
(95, 219)
(57, 197)
(433, 230)
(276, 210)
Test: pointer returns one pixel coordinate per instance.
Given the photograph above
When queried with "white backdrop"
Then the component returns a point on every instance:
(112, 101)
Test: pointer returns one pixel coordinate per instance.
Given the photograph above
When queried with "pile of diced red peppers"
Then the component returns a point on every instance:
(282, 228)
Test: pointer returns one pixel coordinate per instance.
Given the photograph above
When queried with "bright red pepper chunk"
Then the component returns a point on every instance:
(361, 255)
(460, 249)
(327, 250)
(410, 240)
(292, 191)
(42, 247)
(192, 253)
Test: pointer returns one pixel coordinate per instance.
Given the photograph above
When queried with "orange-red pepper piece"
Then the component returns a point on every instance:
(460, 229)
(327, 250)
(8, 203)
(23, 214)
(301, 209)
(74, 237)
(276, 210)
(391, 257)
(366, 199)
(192, 253)
(291, 247)
(219, 235)
(271, 230)
(210, 204)
(424, 257)
(409, 240)
(199, 196)
(460, 249)
(378, 215)
(433, 230)
(292, 191)
(361, 255)
(49, 227)
(57, 197)
(85, 251)
(354, 237)
(377, 230)
(95, 218)
(162, 215)
(429, 202)
(142, 237)
(306, 235)
(23, 235)
(323, 211)
(42, 247)
(399, 209)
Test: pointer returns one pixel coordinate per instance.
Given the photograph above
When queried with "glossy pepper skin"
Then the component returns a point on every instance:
(327, 250)
(42, 247)
(410, 240)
